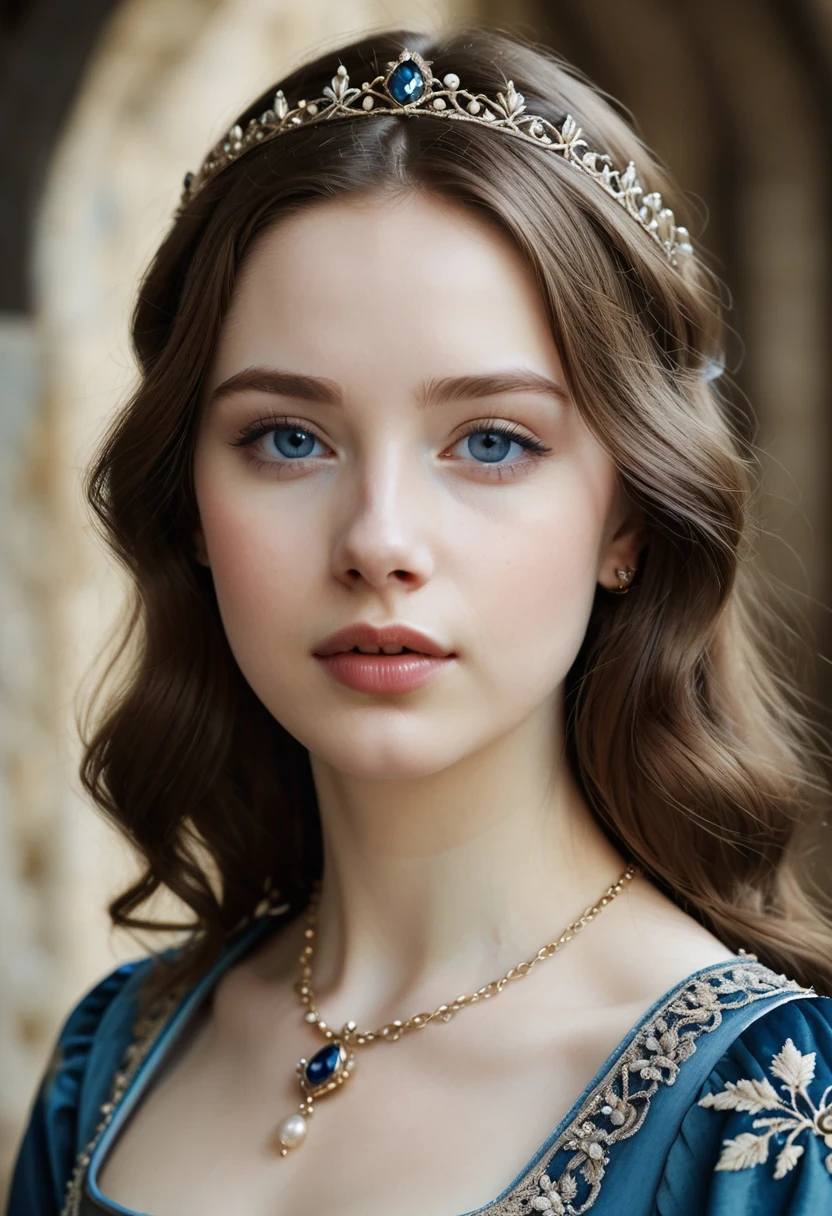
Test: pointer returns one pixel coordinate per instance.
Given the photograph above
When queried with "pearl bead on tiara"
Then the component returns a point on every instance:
(409, 88)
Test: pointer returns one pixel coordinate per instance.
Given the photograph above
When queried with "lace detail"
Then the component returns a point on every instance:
(619, 1104)
(795, 1071)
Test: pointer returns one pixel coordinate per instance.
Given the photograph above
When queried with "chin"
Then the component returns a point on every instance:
(404, 752)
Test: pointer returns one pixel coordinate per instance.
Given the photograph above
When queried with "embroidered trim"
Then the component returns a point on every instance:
(615, 1110)
(146, 1030)
(795, 1071)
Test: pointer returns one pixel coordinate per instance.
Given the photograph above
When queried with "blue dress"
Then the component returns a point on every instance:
(718, 1102)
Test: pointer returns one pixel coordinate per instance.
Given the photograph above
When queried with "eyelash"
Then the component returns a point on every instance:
(263, 426)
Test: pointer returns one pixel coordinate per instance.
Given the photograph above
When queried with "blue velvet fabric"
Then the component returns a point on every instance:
(691, 1185)
(77, 1079)
(668, 1167)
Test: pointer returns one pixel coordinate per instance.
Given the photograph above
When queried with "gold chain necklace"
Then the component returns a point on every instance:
(334, 1063)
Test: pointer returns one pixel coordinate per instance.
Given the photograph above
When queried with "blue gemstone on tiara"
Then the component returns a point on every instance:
(323, 1064)
(406, 83)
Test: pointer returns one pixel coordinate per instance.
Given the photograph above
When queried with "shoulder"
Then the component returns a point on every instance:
(85, 1055)
(758, 1137)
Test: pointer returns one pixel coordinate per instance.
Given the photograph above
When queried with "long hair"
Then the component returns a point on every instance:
(686, 732)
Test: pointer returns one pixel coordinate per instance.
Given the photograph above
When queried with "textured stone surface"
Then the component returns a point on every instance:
(29, 782)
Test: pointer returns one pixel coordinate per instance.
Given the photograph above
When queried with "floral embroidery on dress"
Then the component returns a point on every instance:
(619, 1104)
(786, 1117)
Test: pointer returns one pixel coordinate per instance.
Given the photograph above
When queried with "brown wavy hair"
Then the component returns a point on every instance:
(685, 729)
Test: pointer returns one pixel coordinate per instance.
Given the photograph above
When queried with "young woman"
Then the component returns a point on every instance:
(452, 716)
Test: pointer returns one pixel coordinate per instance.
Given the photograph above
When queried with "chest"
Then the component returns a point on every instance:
(439, 1123)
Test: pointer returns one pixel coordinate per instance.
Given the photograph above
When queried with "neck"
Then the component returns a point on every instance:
(437, 884)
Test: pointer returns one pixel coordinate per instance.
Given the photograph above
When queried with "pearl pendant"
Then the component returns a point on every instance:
(292, 1132)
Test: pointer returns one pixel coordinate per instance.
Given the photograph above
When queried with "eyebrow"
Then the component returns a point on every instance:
(432, 392)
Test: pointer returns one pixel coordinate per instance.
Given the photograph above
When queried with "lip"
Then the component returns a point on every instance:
(383, 673)
(365, 634)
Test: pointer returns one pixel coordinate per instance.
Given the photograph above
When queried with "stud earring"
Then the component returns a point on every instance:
(626, 577)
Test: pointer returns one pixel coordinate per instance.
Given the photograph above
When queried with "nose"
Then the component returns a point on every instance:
(382, 536)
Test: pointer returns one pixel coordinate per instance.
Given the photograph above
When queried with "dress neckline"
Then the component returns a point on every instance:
(150, 1051)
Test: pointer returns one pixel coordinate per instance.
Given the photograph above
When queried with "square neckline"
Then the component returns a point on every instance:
(170, 1032)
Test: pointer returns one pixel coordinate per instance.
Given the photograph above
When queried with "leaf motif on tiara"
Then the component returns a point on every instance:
(589, 160)
(512, 103)
(340, 83)
(570, 132)
(629, 178)
(281, 106)
(650, 207)
(631, 188)
(343, 101)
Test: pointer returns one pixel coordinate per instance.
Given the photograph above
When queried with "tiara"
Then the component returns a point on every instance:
(409, 88)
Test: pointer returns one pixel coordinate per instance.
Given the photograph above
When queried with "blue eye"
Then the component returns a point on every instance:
(292, 442)
(493, 445)
(289, 442)
(490, 442)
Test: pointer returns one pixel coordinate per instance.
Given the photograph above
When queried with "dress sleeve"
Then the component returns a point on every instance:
(757, 1141)
(50, 1141)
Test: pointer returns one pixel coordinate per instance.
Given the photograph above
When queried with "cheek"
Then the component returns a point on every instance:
(265, 568)
(530, 585)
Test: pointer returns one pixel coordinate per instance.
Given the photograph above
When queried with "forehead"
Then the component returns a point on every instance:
(405, 285)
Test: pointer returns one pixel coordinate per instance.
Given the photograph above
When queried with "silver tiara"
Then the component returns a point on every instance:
(409, 88)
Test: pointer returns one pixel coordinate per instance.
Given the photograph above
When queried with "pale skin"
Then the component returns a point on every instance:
(456, 841)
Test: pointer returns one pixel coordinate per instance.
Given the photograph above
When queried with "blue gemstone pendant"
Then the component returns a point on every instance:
(328, 1069)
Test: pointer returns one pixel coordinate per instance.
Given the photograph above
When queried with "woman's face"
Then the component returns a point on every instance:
(376, 487)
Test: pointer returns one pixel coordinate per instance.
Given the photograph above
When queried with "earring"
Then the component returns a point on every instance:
(625, 576)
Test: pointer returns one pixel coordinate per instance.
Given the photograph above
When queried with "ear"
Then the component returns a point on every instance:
(624, 546)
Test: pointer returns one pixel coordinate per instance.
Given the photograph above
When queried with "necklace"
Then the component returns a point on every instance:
(330, 1067)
